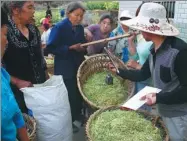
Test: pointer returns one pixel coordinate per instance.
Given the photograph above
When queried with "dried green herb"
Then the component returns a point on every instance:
(118, 125)
(102, 94)
(50, 61)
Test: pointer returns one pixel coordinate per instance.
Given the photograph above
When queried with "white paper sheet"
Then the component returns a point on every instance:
(135, 103)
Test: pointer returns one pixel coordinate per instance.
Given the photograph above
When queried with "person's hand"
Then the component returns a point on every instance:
(78, 47)
(22, 83)
(22, 133)
(149, 98)
(88, 36)
(132, 37)
(133, 64)
(111, 67)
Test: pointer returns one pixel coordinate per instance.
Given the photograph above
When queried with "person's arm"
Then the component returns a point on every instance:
(20, 83)
(88, 35)
(20, 125)
(42, 41)
(54, 44)
(136, 75)
(132, 45)
(89, 31)
(22, 133)
(179, 94)
(133, 64)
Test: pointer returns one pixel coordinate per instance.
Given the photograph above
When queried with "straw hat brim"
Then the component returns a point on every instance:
(142, 23)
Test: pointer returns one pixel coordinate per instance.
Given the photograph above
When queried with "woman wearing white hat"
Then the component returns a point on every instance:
(120, 47)
(166, 65)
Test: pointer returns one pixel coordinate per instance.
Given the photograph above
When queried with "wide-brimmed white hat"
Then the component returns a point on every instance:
(152, 19)
(126, 14)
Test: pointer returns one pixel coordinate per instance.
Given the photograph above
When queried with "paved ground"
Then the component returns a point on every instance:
(80, 136)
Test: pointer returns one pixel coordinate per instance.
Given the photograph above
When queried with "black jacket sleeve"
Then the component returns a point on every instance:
(136, 75)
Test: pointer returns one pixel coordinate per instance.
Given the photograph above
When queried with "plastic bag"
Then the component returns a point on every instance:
(50, 105)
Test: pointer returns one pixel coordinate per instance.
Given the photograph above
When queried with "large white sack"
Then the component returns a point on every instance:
(50, 106)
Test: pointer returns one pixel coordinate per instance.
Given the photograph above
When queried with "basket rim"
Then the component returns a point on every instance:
(33, 133)
(93, 105)
(98, 112)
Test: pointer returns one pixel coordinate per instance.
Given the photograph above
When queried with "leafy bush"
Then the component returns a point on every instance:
(91, 5)
(102, 5)
(112, 5)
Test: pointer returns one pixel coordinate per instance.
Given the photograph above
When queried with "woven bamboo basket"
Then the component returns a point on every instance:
(156, 121)
(97, 63)
(31, 126)
(50, 67)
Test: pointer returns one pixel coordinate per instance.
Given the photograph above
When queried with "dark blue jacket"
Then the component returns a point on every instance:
(62, 36)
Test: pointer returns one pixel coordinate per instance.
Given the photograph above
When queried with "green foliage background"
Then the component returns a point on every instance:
(90, 5)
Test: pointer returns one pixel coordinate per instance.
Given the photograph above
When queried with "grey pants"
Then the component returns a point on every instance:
(177, 127)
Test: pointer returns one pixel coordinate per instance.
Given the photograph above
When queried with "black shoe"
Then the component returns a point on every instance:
(75, 128)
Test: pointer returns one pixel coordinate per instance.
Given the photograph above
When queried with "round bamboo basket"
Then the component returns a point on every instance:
(97, 63)
(156, 121)
(50, 67)
(30, 123)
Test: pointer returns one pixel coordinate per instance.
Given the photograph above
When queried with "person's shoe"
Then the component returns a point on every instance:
(75, 128)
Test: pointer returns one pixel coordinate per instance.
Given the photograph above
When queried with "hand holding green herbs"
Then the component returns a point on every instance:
(102, 94)
(118, 125)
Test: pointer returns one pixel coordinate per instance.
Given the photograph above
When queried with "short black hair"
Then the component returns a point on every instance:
(8, 6)
(48, 16)
(4, 17)
(106, 16)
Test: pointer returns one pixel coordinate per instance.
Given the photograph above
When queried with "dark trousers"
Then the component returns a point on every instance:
(75, 98)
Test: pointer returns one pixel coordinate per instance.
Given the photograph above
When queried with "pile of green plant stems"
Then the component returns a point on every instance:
(118, 125)
(101, 94)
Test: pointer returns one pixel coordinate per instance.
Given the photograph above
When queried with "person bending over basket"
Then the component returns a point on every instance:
(12, 121)
(166, 65)
(97, 32)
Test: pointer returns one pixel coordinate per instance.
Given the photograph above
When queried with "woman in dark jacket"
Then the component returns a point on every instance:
(23, 58)
(64, 42)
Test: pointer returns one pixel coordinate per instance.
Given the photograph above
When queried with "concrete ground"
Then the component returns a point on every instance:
(81, 135)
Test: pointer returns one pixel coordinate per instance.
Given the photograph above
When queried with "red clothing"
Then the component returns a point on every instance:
(46, 21)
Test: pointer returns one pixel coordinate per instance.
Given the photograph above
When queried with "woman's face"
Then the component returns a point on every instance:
(125, 28)
(76, 16)
(147, 36)
(26, 13)
(105, 26)
(4, 40)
